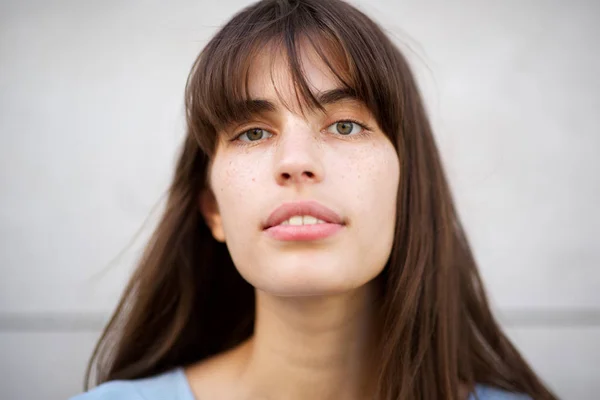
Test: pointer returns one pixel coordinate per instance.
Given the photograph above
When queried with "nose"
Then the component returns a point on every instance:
(298, 157)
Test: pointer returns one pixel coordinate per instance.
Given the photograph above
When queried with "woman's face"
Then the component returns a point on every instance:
(284, 164)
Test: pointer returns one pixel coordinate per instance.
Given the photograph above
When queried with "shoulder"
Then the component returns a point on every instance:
(171, 385)
(484, 392)
(114, 390)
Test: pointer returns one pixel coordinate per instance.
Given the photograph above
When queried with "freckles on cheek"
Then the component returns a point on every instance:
(355, 168)
(235, 179)
(375, 172)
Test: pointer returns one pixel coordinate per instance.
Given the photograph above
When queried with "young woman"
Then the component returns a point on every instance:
(310, 248)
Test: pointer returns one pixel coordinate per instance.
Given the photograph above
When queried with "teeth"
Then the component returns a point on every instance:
(298, 220)
(308, 220)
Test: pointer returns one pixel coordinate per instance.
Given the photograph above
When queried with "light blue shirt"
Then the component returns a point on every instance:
(173, 385)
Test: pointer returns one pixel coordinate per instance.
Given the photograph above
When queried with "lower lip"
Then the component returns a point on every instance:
(303, 232)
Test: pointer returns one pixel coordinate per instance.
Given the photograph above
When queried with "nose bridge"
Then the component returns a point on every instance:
(298, 153)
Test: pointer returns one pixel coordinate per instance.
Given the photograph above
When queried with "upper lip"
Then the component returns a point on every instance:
(313, 208)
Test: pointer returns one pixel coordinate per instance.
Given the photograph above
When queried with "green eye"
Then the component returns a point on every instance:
(254, 134)
(345, 128)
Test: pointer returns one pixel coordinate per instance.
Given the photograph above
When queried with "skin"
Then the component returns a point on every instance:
(314, 299)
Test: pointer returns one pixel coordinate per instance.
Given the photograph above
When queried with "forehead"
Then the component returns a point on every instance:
(270, 75)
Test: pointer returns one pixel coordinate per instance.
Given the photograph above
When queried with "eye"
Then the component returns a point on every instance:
(253, 135)
(345, 128)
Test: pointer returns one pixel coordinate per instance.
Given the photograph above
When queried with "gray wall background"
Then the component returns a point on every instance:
(91, 116)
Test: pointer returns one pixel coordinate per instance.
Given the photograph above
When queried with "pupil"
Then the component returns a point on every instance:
(255, 134)
(344, 127)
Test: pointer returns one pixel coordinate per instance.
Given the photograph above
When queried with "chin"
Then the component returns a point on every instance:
(307, 279)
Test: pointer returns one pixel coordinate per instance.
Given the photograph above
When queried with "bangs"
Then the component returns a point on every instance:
(347, 44)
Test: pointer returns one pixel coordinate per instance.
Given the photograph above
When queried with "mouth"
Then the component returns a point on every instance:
(302, 221)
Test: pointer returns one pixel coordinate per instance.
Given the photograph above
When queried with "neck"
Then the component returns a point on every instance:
(311, 347)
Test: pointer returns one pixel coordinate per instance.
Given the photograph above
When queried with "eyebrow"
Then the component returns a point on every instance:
(327, 97)
(336, 95)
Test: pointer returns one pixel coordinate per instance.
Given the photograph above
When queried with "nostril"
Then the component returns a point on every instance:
(293, 176)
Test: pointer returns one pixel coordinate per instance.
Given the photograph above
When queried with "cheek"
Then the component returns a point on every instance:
(231, 176)
(375, 176)
(375, 204)
(376, 207)
(234, 182)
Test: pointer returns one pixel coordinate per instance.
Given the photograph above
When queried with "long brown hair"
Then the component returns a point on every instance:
(186, 301)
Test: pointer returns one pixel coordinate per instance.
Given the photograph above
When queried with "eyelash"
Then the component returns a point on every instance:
(366, 130)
